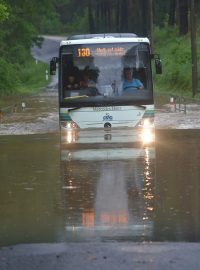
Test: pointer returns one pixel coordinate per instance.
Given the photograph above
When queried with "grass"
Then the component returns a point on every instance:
(33, 78)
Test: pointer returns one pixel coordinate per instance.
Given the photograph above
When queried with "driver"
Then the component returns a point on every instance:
(129, 81)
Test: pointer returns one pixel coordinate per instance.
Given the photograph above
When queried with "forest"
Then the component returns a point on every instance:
(167, 24)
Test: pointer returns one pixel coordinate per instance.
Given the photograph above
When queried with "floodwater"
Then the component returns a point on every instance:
(50, 192)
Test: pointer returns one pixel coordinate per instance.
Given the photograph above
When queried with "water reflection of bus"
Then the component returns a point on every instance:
(108, 192)
(103, 101)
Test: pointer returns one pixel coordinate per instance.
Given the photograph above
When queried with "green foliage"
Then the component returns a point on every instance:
(160, 11)
(32, 77)
(164, 34)
(20, 21)
(50, 24)
(18, 79)
(8, 77)
(78, 24)
(3, 12)
(175, 53)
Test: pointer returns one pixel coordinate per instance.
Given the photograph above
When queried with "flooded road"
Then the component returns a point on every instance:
(177, 197)
(50, 193)
(30, 194)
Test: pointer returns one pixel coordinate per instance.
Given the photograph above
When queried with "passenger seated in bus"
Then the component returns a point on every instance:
(129, 81)
(87, 81)
(72, 83)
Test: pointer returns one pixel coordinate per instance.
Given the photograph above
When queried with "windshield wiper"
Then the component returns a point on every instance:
(74, 97)
(74, 109)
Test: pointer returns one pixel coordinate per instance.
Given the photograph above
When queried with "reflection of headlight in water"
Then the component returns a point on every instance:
(147, 135)
(70, 136)
(69, 131)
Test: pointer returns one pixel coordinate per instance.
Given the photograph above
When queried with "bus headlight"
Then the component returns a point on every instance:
(69, 125)
(146, 123)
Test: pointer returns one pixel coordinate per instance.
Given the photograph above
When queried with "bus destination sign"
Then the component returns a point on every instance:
(100, 51)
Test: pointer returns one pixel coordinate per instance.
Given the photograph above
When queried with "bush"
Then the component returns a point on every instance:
(32, 77)
(18, 79)
(9, 79)
(175, 52)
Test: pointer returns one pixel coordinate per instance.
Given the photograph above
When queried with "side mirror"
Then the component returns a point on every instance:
(158, 66)
(158, 63)
(53, 64)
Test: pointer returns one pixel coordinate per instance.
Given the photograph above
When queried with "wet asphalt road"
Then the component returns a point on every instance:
(98, 256)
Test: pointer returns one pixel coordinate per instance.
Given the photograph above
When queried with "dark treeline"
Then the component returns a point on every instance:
(125, 15)
(22, 21)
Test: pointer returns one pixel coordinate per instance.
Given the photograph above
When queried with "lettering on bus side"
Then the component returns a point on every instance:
(107, 117)
(113, 108)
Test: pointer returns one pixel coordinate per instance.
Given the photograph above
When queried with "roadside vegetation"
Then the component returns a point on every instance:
(21, 23)
(19, 73)
(32, 77)
(26, 79)
(175, 52)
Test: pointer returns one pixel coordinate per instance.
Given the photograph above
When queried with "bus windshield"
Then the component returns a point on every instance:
(105, 74)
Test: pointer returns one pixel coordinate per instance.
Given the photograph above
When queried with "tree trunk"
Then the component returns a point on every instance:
(117, 12)
(151, 23)
(97, 17)
(124, 16)
(90, 18)
(109, 14)
(172, 12)
(183, 17)
(193, 48)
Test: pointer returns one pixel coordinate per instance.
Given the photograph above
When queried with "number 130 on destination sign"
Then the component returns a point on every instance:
(83, 52)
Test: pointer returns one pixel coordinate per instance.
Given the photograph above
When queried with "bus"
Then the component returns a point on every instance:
(91, 75)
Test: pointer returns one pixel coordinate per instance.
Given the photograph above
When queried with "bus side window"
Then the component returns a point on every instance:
(71, 81)
(67, 66)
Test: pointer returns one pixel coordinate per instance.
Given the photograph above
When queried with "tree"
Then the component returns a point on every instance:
(178, 14)
(124, 20)
(183, 16)
(90, 18)
(193, 47)
(172, 13)
(3, 12)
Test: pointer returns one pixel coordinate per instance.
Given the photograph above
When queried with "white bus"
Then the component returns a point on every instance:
(92, 89)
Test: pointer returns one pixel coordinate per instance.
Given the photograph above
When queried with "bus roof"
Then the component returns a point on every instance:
(103, 38)
(104, 35)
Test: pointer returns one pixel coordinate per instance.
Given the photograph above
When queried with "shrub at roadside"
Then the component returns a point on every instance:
(175, 52)
(32, 77)
(9, 77)
(18, 79)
